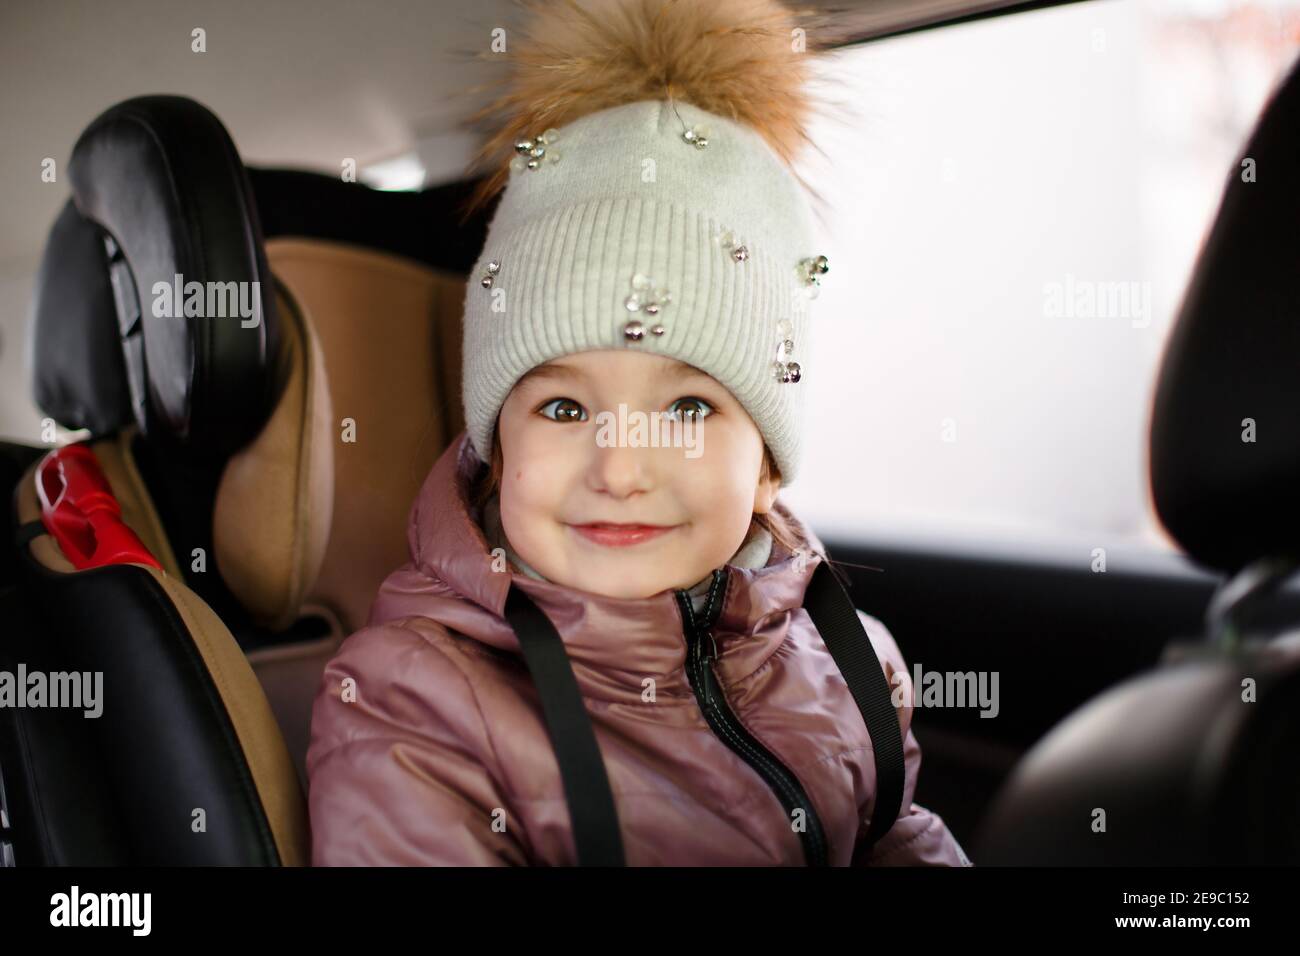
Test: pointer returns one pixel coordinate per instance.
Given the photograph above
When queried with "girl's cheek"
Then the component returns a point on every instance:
(539, 481)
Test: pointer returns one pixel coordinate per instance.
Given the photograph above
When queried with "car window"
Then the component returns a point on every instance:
(1013, 208)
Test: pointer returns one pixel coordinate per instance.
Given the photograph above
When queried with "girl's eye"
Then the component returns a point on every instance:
(569, 410)
(692, 408)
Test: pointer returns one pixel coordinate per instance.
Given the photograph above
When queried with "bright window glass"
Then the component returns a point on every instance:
(980, 180)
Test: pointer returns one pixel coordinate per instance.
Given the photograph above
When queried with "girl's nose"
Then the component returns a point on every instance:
(621, 471)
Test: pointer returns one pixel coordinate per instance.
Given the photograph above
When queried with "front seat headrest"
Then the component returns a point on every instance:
(161, 178)
(1225, 432)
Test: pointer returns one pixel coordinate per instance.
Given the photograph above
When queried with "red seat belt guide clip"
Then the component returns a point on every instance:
(81, 513)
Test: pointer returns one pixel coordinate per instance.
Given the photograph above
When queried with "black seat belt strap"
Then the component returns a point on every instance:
(836, 619)
(592, 813)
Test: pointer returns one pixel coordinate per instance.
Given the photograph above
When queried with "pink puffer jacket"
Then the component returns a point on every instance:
(438, 753)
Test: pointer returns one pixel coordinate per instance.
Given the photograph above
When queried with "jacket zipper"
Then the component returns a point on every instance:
(702, 651)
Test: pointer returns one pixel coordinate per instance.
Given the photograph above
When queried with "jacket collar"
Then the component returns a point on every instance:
(612, 642)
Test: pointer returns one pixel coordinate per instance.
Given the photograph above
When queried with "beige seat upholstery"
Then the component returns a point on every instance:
(373, 398)
(389, 330)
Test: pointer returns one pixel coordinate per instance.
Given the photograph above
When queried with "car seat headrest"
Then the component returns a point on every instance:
(1225, 431)
(384, 333)
(195, 304)
(79, 378)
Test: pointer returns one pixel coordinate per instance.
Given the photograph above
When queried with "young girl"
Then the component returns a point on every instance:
(653, 283)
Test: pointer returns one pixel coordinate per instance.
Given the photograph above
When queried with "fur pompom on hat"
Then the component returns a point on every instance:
(647, 153)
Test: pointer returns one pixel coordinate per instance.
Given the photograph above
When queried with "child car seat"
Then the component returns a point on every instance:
(1195, 763)
(221, 444)
(184, 763)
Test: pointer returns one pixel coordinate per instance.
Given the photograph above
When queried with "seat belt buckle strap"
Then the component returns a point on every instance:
(81, 513)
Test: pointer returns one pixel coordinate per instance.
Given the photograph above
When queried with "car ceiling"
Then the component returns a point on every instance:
(300, 83)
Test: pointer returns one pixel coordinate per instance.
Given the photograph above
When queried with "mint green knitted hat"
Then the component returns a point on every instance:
(652, 225)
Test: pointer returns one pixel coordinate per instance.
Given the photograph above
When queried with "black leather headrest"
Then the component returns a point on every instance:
(160, 176)
(79, 378)
(1185, 775)
(1232, 366)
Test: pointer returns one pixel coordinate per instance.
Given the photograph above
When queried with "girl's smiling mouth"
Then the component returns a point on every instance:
(614, 535)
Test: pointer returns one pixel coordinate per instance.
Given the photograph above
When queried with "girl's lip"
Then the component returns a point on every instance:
(620, 535)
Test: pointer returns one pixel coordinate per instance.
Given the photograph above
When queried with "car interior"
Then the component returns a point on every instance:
(210, 541)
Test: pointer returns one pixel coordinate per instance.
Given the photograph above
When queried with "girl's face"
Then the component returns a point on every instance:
(565, 477)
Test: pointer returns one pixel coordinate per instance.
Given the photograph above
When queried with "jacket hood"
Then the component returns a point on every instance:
(449, 578)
